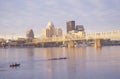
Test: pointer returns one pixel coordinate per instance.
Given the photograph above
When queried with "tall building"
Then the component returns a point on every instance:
(51, 31)
(51, 28)
(30, 34)
(58, 32)
(80, 28)
(70, 26)
(47, 33)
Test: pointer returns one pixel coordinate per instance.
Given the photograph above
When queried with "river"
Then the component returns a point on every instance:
(81, 63)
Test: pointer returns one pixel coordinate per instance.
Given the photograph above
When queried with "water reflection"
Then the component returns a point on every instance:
(82, 63)
(73, 67)
(54, 53)
(30, 53)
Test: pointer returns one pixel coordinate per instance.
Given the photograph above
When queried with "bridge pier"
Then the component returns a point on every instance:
(70, 44)
(97, 43)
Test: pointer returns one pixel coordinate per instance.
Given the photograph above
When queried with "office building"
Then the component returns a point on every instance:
(51, 31)
(80, 28)
(70, 26)
(58, 31)
(30, 34)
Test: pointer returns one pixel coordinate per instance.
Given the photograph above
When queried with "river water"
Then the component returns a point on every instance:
(82, 63)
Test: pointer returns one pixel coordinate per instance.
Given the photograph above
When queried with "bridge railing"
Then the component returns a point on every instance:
(103, 35)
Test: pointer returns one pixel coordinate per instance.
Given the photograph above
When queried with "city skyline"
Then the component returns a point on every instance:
(19, 16)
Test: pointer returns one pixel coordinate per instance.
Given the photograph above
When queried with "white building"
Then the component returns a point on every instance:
(51, 31)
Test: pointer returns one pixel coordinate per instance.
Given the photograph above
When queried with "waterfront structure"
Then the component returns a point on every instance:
(70, 26)
(2, 41)
(30, 34)
(21, 41)
(12, 42)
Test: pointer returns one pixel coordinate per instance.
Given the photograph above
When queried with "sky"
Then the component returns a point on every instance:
(18, 16)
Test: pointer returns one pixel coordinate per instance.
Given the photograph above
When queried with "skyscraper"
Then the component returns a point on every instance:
(58, 31)
(80, 28)
(51, 31)
(51, 28)
(70, 26)
(30, 34)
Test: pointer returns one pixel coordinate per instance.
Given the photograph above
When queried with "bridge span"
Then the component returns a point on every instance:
(69, 38)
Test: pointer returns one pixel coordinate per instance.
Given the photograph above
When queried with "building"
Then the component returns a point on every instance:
(79, 31)
(58, 31)
(80, 28)
(70, 26)
(21, 41)
(30, 34)
(46, 33)
(2, 41)
(51, 31)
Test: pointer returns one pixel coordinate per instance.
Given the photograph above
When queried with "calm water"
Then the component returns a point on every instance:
(82, 63)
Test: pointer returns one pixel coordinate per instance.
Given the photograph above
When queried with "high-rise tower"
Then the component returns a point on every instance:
(30, 34)
(51, 31)
(80, 28)
(70, 26)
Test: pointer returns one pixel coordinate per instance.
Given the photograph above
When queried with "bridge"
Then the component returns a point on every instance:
(69, 38)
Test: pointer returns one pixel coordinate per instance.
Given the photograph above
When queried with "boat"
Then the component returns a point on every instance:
(14, 65)
(58, 58)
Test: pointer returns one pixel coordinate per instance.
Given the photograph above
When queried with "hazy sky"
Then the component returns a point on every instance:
(17, 16)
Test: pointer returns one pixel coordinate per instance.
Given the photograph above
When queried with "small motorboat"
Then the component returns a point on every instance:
(14, 65)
